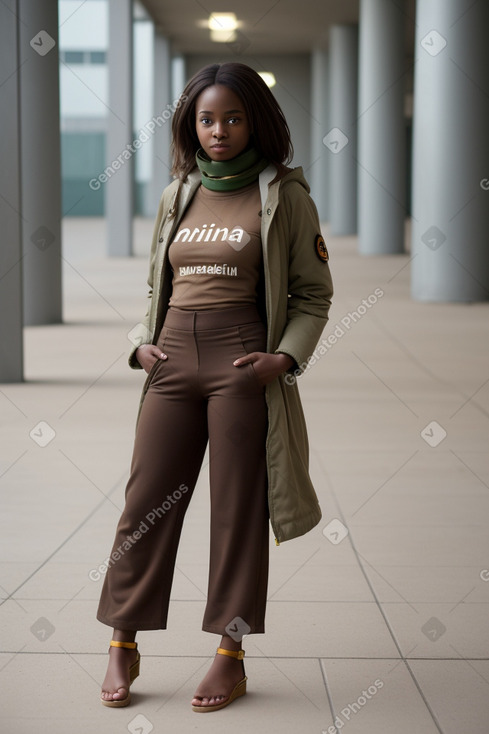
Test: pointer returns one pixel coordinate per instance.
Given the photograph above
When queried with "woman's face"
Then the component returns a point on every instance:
(222, 126)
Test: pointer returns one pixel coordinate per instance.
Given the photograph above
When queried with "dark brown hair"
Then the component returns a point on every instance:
(271, 134)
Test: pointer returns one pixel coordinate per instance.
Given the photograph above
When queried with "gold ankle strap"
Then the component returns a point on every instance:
(238, 654)
(129, 645)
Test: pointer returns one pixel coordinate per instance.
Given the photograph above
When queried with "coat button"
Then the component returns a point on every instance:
(161, 239)
(269, 211)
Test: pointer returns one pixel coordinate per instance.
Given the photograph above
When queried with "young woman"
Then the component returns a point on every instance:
(240, 290)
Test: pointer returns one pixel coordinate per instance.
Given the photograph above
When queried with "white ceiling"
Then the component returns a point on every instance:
(267, 26)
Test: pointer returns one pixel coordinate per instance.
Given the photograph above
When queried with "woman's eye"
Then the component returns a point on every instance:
(205, 121)
(233, 120)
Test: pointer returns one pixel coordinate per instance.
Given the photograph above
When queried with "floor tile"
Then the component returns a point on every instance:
(371, 696)
(457, 692)
(440, 630)
(330, 629)
(415, 514)
(64, 695)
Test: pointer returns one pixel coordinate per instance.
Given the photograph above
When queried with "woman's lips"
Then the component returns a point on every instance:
(219, 147)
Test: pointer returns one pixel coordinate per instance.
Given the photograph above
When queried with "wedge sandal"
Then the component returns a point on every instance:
(238, 690)
(133, 674)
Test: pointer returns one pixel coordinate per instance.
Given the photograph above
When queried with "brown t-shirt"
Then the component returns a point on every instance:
(216, 252)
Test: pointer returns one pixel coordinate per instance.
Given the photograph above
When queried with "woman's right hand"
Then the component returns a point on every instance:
(147, 354)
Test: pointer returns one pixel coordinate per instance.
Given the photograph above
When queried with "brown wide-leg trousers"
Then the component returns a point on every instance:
(196, 395)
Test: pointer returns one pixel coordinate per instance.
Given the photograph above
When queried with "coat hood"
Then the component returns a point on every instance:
(290, 175)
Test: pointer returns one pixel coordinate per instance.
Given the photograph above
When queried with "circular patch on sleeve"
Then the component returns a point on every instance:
(321, 249)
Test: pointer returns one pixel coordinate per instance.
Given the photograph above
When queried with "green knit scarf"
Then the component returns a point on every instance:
(233, 174)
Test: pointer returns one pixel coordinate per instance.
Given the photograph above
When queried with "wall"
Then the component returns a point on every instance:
(85, 106)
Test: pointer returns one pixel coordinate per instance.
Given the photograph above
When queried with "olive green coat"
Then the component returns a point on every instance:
(297, 295)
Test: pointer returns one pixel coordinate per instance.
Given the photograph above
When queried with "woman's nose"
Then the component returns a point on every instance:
(218, 131)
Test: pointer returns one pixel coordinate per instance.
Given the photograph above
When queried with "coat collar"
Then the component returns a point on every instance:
(188, 187)
(264, 180)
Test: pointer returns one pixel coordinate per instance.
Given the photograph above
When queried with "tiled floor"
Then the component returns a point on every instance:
(380, 631)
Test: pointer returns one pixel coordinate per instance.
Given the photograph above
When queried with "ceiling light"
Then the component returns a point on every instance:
(222, 27)
(222, 22)
(268, 78)
(223, 36)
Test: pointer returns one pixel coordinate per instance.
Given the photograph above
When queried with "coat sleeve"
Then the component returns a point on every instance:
(141, 334)
(310, 286)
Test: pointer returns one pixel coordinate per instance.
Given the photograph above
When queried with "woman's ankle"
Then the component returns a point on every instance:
(228, 643)
(119, 635)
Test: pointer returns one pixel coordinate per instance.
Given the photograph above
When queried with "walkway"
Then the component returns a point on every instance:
(377, 619)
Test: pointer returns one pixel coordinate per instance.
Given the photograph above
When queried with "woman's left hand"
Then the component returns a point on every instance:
(267, 366)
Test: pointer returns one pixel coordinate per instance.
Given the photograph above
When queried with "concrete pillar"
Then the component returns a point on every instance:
(162, 103)
(178, 75)
(450, 201)
(341, 139)
(40, 160)
(381, 129)
(11, 343)
(143, 114)
(318, 172)
(120, 134)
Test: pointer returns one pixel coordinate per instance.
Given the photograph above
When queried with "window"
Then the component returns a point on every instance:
(83, 57)
(73, 57)
(97, 57)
